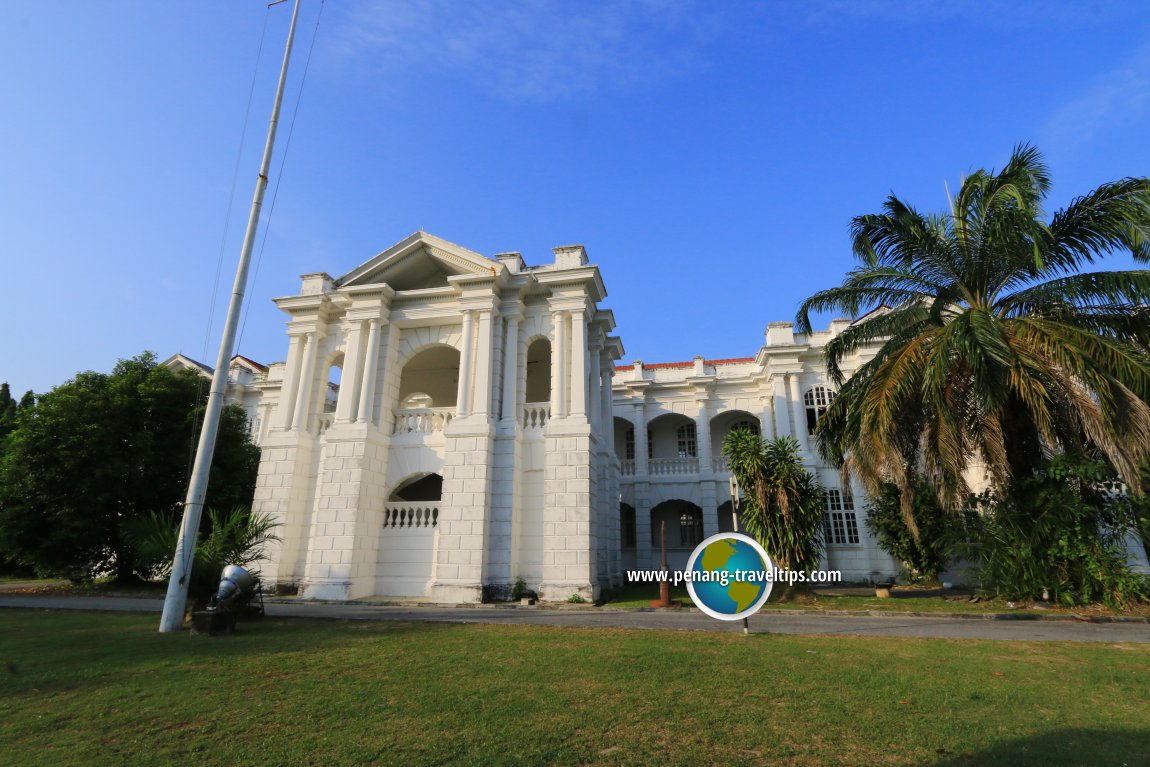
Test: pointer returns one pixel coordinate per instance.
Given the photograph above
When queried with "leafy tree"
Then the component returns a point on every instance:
(233, 537)
(994, 349)
(783, 509)
(105, 448)
(924, 558)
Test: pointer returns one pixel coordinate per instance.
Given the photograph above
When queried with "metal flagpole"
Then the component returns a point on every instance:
(177, 597)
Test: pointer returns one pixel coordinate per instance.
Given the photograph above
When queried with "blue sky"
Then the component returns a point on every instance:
(709, 155)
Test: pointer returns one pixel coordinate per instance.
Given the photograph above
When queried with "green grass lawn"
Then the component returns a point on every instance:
(96, 689)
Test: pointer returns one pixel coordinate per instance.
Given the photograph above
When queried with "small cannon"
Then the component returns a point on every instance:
(234, 598)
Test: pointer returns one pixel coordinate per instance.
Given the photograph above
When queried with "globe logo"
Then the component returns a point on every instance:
(729, 576)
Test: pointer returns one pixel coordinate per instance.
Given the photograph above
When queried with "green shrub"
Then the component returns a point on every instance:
(234, 537)
(923, 559)
(1059, 533)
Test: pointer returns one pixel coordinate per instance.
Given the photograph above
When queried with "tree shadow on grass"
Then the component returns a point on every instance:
(1117, 747)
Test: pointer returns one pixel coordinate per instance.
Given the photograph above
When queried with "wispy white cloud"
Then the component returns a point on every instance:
(1119, 97)
(543, 50)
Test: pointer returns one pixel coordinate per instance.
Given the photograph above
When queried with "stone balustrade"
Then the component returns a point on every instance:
(660, 466)
(536, 415)
(422, 420)
(414, 514)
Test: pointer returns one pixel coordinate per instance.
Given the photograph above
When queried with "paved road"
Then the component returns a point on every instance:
(693, 620)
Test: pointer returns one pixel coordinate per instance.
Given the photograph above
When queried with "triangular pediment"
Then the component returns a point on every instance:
(418, 262)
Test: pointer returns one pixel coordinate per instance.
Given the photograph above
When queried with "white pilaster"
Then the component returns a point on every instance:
(463, 394)
(578, 364)
(482, 397)
(594, 394)
(799, 414)
(781, 407)
(606, 416)
(511, 369)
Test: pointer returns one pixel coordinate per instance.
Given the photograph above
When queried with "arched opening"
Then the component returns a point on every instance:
(725, 423)
(672, 445)
(428, 387)
(409, 532)
(624, 439)
(627, 538)
(414, 503)
(432, 373)
(682, 522)
(419, 487)
(332, 380)
(538, 376)
(326, 401)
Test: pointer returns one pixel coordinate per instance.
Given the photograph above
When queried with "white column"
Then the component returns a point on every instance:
(482, 400)
(370, 369)
(607, 416)
(559, 365)
(594, 395)
(707, 494)
(640, 440)
(345, 408)
(578, 364)
(463, 394)
(307, 373)
(390, 379)
(291, 381)
(511, 370)
(800, 415)
(643, 550)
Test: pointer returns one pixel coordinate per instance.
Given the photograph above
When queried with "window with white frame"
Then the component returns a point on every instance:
(629, 445)
(690, 528)
(841, 524)
(817, 400)
(751, 426)
(688, 445)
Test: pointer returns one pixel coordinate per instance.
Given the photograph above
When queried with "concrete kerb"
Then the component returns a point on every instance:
(806, 612)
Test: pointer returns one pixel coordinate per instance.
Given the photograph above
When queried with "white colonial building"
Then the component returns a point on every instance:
(481, 433)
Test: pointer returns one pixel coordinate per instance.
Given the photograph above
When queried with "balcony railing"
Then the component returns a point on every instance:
(414, 514)
(720, 464)
(422, 420)
(536, 415)
(324, 422)
(627, 467)
(673, 466)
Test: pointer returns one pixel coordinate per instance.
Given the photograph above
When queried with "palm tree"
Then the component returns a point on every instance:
(783, 508)
(994, 349)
